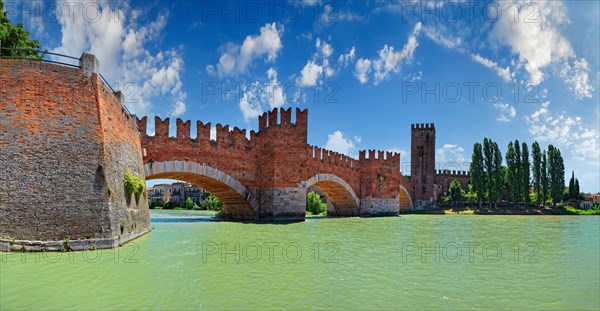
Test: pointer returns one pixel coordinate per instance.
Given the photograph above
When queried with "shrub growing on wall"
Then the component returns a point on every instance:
(133, 185)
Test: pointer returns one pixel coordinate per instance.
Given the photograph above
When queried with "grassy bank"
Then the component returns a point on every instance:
(569, 210)
(513, 210)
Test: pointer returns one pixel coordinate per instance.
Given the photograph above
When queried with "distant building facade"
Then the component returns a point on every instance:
(175, 193)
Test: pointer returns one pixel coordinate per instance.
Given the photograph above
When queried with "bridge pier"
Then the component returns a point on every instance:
(282, 204)
(372, 207)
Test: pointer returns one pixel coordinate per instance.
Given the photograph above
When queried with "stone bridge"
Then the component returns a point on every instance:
(265, 175)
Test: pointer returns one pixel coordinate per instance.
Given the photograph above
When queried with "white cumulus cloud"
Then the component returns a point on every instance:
(389, 60)
(123, 53)
(250, 104)
(267, 94)
(236, 59)
(362, 70)
(310, 74)
(338, 142)
(564, 131)
(507, 112)
(318, 66)
(347, 58)
(539, 44)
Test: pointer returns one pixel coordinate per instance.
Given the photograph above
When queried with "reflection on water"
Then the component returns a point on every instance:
(190, 261)
(183, 219)
(160, 216)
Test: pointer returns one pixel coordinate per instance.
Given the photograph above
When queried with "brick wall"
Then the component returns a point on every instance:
(122, 150)
(64, 141)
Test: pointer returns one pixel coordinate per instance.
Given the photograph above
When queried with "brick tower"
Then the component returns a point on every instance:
(422, 166)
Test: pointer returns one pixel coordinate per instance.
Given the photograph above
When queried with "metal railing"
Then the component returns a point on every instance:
(41, 54)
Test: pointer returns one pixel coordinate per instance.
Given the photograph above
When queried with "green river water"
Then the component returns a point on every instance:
(406, 262)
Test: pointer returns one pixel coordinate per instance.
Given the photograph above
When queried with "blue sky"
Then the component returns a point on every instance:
(366, 70)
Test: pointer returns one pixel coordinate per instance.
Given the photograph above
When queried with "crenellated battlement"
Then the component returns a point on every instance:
(231, 137)
(423, 126)
(452, 173)
(380, 157)
(226, 136)
(332, 157)
(281, 118)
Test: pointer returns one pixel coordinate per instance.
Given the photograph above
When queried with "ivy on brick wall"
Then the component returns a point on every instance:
(133, 185)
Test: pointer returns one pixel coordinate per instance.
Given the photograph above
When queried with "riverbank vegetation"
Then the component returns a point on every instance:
(523, 180)
(209, 203)
(570, 210)
(315, 204)
(505, 208)
(524, 186)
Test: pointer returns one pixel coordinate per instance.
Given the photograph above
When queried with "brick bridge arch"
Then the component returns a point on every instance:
(272, 167)
(405, 200)
(345, 202)
(237, 200)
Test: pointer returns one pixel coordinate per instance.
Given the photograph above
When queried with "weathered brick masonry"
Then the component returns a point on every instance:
(265, 176)
(65, 142)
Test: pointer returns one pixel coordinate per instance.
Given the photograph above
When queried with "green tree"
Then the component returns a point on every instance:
(536, 154)
(556, 170)
(471, 196)
(577, 191)
(511, 173)
(525, 173)
(189, 204)
(518, 179)
(315, 204)
(544, 178)
(14, 36)
(572, 186)
(476, 172)
(456, 192)
(498, 174)
(488, 153)
(211, 203)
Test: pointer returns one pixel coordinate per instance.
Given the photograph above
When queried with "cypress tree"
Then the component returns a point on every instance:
(577, 192)
(544, 178)
(572, 186)
(511, 172)
(498, 175)
(556, 170)
(477, 174)
(525, 174)
(518, 180)
(489, 168)
(536, 154)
